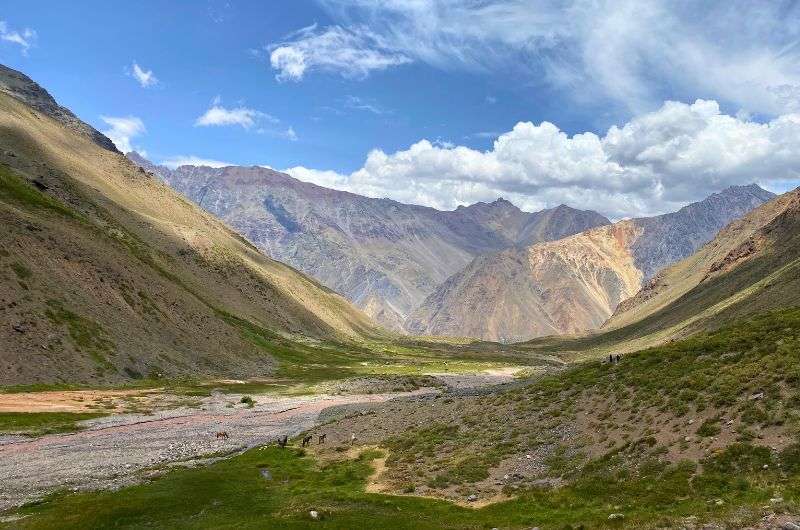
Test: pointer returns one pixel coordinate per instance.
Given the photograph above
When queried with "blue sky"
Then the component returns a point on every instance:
(199, 50)
(438, 102)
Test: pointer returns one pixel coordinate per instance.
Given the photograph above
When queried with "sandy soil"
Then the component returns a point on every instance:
(74, 400)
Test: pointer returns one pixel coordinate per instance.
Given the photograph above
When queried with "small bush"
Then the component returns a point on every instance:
(709, 428)
(248, 400)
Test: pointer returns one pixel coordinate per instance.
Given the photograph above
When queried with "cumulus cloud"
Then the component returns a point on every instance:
(217, 115)
(349, 52)
(192, 160)
(655, 163)
(145, 78)
(260, 122)
(122, 131)
(23, 38)
(624, 51)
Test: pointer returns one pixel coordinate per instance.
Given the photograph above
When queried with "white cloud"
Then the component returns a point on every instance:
(217, 115)
(146, 78)
(484, 135)
(350, 52)
(655, 163)
(191, 160)
(624, 51)
(123, 130)
(24, 38)
(358, 103)
(290, 135)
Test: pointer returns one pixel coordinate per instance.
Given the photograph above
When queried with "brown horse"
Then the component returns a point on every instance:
(307, 440)
(222, 434)
(322, 438)
(283, 441)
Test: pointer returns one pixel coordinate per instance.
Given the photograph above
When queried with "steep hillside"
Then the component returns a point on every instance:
(574, 284)
(738, 242)
(752, 265)
(108, 274)
(384, 256)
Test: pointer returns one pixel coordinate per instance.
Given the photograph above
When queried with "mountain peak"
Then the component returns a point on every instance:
(750, 189)
(498, 203)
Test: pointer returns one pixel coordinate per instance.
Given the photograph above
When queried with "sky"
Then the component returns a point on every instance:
(627, 107)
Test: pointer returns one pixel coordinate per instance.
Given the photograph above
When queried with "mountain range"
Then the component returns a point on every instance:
(382, 255)
(488, 270)
(573, 284)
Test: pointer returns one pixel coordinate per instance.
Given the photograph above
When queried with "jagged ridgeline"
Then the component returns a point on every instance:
(107, 274)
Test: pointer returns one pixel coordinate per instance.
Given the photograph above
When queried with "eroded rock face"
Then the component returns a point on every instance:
(573, 284)
(384, 256)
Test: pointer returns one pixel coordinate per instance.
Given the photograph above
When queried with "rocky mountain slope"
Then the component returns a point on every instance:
(752, 265)
(384, 256)
(107, 274)
(573, 284)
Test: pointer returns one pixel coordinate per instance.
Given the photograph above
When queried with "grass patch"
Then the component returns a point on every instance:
(22, 272)
(234, 493)
(14, 188)
(86, 334)
(38, 423)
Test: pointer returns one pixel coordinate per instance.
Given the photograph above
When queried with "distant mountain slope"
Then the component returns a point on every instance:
(751, 266)
(107, 274)
(574, 284)
(384, 256)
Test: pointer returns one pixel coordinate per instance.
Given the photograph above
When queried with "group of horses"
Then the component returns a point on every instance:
(283, 442)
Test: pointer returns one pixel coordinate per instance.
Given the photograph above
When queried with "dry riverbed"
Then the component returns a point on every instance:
(126, 448)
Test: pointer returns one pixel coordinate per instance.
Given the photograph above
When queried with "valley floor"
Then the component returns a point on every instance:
(120, 447)
(701, 433)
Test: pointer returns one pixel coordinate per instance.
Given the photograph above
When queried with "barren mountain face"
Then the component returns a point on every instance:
(764, 240)
(384, 256)
(576, 283)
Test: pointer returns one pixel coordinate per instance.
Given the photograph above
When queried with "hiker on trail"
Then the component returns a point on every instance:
(352, 438)
(610, 359)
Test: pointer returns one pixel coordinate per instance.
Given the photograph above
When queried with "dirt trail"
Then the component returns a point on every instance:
(123, 449)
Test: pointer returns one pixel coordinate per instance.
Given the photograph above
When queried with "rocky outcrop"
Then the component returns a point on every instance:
(384, 256)
(576, 283)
